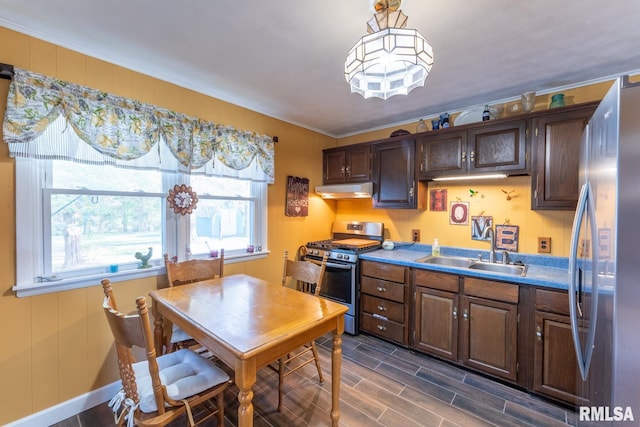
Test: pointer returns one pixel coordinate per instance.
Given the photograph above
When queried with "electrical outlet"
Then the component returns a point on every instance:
(544, 245)
(415, 235)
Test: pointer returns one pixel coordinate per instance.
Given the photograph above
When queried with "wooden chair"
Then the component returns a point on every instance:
(160, 389)
(181, 273)
(308, 277)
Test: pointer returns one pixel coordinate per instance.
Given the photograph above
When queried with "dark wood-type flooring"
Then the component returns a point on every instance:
(382, 385)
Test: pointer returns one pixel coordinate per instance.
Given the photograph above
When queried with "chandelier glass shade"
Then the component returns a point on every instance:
(390, 60)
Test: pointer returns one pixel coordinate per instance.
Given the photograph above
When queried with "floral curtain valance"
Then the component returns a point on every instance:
(124, 132)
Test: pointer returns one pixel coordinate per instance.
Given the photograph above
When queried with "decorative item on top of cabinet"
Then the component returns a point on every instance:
(384, 299)
(556, 151)
(497, 147)
(394, 177)
(346, 164)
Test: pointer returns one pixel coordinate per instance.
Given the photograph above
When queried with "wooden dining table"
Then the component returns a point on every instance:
(248, 323)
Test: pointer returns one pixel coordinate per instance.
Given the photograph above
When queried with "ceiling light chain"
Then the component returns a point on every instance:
(391, 59)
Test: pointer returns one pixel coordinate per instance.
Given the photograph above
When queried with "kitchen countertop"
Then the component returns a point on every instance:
(547, 271)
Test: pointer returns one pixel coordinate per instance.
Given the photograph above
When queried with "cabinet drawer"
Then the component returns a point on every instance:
(434, 280)
(383, 289)
(384, 328)
(393, 273)
(491, 290)
(552, 301)
(391, 310)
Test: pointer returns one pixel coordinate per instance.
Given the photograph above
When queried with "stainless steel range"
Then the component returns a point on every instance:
(341, 279)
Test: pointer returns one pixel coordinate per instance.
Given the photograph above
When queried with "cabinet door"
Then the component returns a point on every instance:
(358, 164)
(498, 148)
(556, 146)
(443, 154)
(333, 166)
(555, 370)
(436, 322)
(394, 180)
(488, 340)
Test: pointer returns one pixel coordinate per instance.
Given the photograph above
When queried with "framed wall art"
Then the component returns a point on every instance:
(459, 213)
(297, 203)
(438, 200)
(507, 238)
(479, 226)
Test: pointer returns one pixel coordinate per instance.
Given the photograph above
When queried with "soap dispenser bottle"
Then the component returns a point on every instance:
(435, 248)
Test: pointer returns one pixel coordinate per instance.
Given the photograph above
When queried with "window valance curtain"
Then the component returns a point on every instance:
(124, 132)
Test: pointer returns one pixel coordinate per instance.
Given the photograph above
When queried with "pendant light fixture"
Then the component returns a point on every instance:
(391, 59)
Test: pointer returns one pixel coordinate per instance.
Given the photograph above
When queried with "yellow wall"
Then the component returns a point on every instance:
(57, 346)
(490, 201)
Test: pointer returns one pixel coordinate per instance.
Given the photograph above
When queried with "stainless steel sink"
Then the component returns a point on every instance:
(516, 270)
(448, 261)
(472, 264)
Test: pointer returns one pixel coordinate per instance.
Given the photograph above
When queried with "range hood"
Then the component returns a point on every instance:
(362, 190)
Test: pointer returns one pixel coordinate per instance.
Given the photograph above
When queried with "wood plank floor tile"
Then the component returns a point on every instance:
(382, 385)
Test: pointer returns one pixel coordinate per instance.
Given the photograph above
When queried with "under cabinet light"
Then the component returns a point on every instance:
(470, 177)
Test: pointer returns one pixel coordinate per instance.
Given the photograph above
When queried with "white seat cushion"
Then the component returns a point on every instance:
(178, 335)
(184, 373)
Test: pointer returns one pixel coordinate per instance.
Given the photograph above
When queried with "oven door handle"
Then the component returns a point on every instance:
(331, 264)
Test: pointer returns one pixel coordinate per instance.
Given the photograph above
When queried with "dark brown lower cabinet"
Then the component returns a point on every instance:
(555, 371)
(477, 327)
(436, 328)
(489, 330)
(383, 301)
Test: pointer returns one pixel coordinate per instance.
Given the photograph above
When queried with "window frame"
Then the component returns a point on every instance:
(31, 246)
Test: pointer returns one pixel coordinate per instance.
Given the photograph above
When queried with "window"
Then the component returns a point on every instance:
(77, 222)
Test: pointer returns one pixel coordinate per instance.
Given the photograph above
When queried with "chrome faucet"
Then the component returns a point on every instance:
(488, 235)
(506, 259)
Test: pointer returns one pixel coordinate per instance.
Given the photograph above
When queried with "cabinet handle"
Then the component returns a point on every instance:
(472, 156)
(342, 169)
(464, 156)
(539, 333)
(465, 315)
(382, 328)
(455, 312)
(422, 166)
(381, 289)
(348, 171)
(382, 308)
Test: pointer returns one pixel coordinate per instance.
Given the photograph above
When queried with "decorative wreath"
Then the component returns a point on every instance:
(182, 199)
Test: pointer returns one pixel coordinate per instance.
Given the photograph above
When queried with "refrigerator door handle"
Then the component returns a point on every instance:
(585, 203)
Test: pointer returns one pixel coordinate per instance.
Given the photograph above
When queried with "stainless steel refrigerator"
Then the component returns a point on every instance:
(604, 263)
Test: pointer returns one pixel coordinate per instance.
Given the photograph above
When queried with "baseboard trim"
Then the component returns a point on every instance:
(64, 410)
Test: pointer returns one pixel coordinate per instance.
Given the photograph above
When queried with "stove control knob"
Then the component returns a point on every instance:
(346, 257)
(339, 256)
(314, 252)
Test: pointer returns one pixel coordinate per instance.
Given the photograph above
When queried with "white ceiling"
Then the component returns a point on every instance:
(285, 58)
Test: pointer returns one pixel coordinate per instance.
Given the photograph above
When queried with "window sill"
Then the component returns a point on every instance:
(39, 288)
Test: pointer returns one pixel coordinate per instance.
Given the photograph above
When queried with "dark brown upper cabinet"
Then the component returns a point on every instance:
(499, 147)
(394, 175)
(556, 152)
(346, 164)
